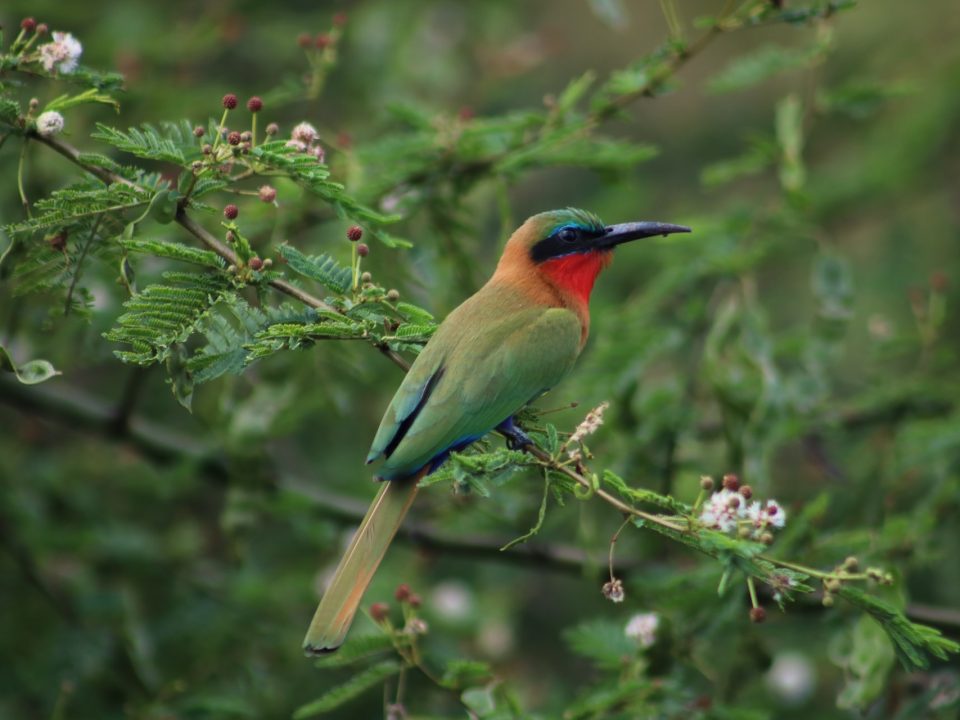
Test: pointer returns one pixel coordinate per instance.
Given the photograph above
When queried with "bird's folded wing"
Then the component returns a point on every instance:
(465, 385)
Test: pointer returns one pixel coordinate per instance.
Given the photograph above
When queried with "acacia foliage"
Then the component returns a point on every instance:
(709, 366)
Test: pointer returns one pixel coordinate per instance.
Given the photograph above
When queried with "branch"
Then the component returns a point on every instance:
(79, 410)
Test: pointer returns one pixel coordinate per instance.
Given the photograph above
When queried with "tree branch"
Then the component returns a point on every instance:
(79, 410)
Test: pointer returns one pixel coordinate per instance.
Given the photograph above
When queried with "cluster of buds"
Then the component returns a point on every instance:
(321, 51)
(410, 603)
(730, 510)
(304, 138)
(847, 570)
(248, 262)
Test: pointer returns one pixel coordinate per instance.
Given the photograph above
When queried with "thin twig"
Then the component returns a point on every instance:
(79, 264)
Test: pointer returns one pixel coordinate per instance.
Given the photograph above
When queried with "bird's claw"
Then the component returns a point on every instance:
(516, 438)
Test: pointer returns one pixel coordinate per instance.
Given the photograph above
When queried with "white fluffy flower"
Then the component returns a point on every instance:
(61, 54)
(305, 133)
(765, 516)
(49, 123)
(722, 510)
(296, 145)
(643, 628)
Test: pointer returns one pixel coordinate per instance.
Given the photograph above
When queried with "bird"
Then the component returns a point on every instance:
(501, 349)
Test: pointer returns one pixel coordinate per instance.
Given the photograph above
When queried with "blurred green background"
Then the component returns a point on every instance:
(804, 337)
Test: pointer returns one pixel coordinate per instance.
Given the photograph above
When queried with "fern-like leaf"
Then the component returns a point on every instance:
(174, 251)
(914, 643)
(355, 686)
(147, 142)
(165, 314)
(321, 268)
(231, 329)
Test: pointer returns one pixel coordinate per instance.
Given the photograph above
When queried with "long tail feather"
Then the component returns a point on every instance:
(333, 617)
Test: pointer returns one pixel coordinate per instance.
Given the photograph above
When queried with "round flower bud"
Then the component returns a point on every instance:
(255, 104)
(207, 148)
(363, 250)
(267, 194)
(28, 24)
(322, 41)
(758, 614)
(199, 131)
(59, 241)
(766, 538)
(851, 564)
(731, 482)
(49, 123)
(233, 138)
(42, 29)
(827, 600)
(366, 277)
(746, 491)
(340, 19)
(246, 136)
(255, 263)
(272, 129)
(196, 166)
(831, 585)
(229, 101)
(304, 40)
(231, 211)
(393, 295)
(34, 104)
(231, 236)
(379, 611)
(402, 593)
(415, 600)
(354, 233)
(706, 483)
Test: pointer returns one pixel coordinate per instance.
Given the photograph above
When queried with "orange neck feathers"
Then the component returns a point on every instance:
(560, 282)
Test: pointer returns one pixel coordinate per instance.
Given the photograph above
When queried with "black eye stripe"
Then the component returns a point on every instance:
(564, 241)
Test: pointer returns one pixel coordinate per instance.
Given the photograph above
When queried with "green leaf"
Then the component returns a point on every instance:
(355, 686)
(414, 313)
(640, 495)
(355, 649)
(174, 251)
(146, 143)
(752, 68)
(789, 124)
(461, 673)
(165, 314)
(91, 95)
(30, 373)
(321, 268)
(913, 642)
(480, 700)
(761, 154)
(867, 664)
(9, 111)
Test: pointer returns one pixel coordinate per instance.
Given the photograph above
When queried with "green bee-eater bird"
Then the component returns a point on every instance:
(502, 348)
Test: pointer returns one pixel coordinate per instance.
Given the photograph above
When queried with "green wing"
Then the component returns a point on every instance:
(487, 360)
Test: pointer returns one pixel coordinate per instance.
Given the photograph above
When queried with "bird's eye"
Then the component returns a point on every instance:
(567, 235)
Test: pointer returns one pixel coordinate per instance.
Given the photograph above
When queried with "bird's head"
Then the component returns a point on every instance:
(570, 247)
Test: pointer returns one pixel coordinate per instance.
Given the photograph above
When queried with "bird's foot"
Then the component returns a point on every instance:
(516, 438)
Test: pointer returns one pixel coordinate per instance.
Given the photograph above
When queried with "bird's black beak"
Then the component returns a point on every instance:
(625, 232)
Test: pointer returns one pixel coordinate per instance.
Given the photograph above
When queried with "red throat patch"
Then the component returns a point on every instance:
(577, 272)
